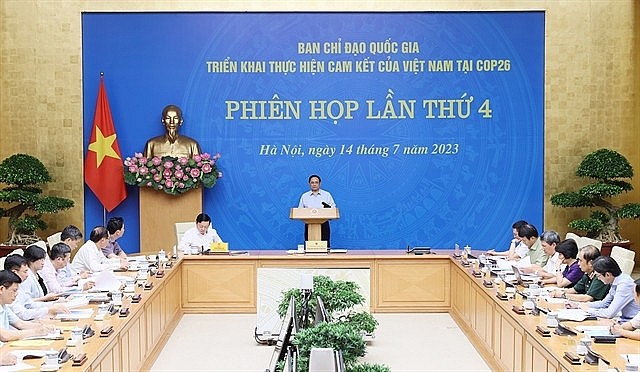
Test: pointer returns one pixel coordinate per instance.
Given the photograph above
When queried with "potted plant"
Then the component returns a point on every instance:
(608, 171)
(22, 174)
(344, 330)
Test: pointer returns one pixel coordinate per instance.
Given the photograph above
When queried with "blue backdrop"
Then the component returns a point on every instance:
(427, 128)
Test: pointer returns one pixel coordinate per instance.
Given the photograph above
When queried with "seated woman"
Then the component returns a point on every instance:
(34, 285)
(590, 287)
(567, 252)
(630, 329)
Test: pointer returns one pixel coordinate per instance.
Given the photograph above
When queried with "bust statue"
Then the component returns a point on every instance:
(171, 143)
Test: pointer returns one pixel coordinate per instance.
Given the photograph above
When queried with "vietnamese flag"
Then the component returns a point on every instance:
(103, 169)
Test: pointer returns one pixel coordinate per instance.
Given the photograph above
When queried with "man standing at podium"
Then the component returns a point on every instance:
(317, 198)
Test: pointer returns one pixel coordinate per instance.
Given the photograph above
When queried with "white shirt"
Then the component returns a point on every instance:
(31, 286)
(26, 308)
(7, 317)
(50, 276)
(521, 249)
(635, 321)
(193, 238)
(90, 258)
(66, 277)
(550, 267)
(314, 200)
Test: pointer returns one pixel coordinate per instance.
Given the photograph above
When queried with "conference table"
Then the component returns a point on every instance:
(400, 282)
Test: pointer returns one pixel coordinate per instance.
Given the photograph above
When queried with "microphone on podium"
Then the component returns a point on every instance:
(326, 205)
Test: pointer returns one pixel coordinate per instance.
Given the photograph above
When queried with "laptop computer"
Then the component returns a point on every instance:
(524, 279)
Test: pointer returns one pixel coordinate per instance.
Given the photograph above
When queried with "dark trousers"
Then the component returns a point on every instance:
(325, 233)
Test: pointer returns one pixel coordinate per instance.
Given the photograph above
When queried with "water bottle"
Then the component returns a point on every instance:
(162, 256)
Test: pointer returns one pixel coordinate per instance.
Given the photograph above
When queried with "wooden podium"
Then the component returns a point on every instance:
(314, 218)
(160, 211)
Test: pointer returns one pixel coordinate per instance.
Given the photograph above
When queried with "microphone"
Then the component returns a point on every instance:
(326, 205)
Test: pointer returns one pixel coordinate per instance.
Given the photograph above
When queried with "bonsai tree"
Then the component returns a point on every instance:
(22, 174)
(607, 169)
(343, 330)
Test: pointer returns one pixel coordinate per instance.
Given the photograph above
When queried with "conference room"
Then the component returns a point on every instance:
(470, 148)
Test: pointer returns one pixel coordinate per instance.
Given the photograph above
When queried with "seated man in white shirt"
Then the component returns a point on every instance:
(11, 327)
(24, 305)
(200, 236)
(517, 249)
(90, 258)
(549, 241)
(57, 260)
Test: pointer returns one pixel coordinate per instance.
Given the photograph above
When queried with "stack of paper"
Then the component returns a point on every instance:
(76, 314)
(106, 281)
(77, 301)
(577, 315)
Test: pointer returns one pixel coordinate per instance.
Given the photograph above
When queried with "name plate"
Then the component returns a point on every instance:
(315, 246)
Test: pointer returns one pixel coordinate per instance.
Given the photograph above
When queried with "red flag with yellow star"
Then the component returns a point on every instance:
(103, 169)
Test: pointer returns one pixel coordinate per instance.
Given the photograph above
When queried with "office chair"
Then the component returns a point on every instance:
(181, 228)
(582, 241)
(624, 258)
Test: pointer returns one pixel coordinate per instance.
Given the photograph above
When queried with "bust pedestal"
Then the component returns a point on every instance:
(160, 211)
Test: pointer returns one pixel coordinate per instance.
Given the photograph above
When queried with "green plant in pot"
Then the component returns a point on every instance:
(608, 171)
(345, 328)
(25, 204)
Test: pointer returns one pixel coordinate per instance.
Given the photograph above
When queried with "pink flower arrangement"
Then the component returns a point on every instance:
(172, 175)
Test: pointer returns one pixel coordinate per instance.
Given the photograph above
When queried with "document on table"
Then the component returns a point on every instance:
(594, 330)
(76, 314)
(77, 301)
(631, 358)
(51, 336)
(577, 315)
(553, 300)
(524, 262)
(137, 258)
(106, 281)
(504, 265)
(20, 364)
(72, 290)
